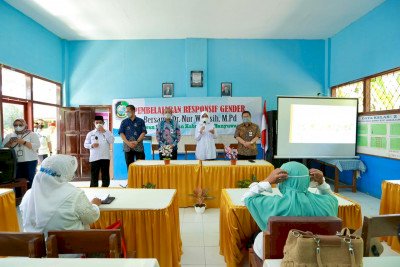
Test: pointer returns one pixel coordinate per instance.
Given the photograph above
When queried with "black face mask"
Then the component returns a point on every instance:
(40, 127)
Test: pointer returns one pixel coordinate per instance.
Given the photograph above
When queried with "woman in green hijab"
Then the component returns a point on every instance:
(293, 181)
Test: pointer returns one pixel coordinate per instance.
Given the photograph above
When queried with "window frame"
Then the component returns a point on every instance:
(366, 93)
(29, 101)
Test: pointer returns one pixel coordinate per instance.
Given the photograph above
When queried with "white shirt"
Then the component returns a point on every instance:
(75, 213)
(205, 148)
(104, 140)
(44, 139)
(24, 153)
(258, 188)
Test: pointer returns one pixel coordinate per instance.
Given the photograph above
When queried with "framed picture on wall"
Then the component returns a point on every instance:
(167, 90)
(226, 89)
(196, 78)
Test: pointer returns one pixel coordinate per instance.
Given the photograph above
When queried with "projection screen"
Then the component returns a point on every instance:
(316, 127)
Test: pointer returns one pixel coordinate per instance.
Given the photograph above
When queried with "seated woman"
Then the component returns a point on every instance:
(293, 180)
(53, 203)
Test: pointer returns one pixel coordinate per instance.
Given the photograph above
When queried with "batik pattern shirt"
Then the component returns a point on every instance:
(247, 133)
(168, 133)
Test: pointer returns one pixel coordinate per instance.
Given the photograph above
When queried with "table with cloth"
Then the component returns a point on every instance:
(237, 226)
(77, 262)
(390, 204)
(340, 165)
(8, 211)
(150, 219)
(182, 175)
(217, 175)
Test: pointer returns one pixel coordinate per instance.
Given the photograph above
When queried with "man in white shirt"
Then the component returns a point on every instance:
(45, 143)
(98, 141)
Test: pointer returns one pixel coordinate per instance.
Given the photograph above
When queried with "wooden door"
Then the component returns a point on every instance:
(75, 123)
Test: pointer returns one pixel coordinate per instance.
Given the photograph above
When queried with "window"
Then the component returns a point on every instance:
(14, 83)
(376, 93)
(352, 90)
(26, 96)
(46, 92)
(385, 92)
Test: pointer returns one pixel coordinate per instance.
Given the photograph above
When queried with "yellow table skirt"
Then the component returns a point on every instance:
(216, 178)
(351, 215)
(237, 226)
(390, 204)
(151, 233)
(183, 178)
(8, 213)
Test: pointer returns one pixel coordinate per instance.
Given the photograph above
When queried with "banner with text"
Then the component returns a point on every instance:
(225, 112)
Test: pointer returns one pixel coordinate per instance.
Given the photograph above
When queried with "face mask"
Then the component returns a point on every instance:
(246, 120)
(168, 115)
(19, 128)
(129, 114)
(40, 127)
(205, 120)
(98, 125)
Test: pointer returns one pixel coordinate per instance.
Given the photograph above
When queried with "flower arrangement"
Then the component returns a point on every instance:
(245, 183)
(231, 153)
(149, 186)
(200, 195)
(166, 151)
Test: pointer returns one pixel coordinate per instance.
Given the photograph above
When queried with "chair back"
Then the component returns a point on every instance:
(378, 226)
(154, 147)
(279, 227)
(106, 242)
(189, 148)
(219, 147)
(30, 245)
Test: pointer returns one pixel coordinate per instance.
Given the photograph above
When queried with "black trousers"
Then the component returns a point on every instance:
(132, 156)
(174, 155)
(102, 165)
(27, 170)
(247, 157)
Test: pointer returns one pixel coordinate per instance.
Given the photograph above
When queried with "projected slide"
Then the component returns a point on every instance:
(322, 124)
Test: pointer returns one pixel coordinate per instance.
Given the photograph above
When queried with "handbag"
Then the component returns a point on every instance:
(308, 249)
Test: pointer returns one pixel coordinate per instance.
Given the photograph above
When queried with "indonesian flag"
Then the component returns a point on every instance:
(264, 129)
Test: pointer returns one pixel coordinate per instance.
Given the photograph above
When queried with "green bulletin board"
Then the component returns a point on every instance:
(379, 135)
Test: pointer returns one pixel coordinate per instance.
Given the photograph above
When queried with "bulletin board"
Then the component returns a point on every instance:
(379, 135)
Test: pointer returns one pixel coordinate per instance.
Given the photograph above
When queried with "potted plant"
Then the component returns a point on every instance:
(166, 152)
(149, 186)
(200, 195)
(231, 154)
(245, 183)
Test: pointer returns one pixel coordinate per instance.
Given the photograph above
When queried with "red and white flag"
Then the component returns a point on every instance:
(264, 129)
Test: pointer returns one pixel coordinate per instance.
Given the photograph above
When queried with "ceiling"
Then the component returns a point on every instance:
(178, 19)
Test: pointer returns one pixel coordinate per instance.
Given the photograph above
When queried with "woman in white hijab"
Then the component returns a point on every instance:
(205, 135)
(53, 203)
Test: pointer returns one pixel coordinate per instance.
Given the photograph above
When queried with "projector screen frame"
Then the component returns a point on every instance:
(280, 156)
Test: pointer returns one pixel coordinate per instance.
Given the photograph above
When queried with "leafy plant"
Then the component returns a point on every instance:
(230, 152)
(149, 186)
(200, 196)
(245, 183)
(166, 151)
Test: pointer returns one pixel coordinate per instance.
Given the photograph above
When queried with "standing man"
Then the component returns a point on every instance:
(247, 134)
(98, 141)
(44, 138)
(168, 133)
(132, 132)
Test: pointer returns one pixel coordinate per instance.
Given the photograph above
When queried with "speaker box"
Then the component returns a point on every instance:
(8, 165)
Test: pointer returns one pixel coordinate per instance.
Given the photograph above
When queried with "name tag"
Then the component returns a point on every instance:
(250, 133)
(20, 153)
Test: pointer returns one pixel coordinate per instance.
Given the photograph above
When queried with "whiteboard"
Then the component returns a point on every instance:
(379, 135)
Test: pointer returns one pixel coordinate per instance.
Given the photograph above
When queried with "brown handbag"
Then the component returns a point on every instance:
(307, 249)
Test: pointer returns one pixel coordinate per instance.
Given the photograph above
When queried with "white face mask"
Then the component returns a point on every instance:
(168, 115)
(205, 120)
(19, 128)
(98, 125)
(129, 114)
